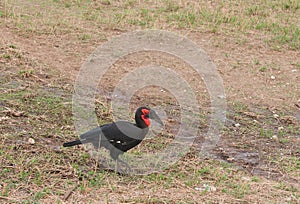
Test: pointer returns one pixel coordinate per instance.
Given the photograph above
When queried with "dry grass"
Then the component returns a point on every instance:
(42, 46)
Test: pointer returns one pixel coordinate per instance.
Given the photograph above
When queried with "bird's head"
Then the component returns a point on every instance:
(143, 116)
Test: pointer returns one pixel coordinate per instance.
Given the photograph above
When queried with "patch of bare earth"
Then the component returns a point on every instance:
(255, 161)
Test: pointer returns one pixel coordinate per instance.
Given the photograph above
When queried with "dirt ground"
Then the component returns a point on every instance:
(255, 161)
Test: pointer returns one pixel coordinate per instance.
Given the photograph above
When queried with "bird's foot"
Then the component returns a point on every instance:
(127, 169)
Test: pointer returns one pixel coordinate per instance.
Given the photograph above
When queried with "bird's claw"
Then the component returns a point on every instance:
(127, 169)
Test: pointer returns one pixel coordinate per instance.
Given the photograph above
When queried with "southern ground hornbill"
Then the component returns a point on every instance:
(119, 137)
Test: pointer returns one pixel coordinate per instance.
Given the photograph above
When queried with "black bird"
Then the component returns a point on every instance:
(119, 137)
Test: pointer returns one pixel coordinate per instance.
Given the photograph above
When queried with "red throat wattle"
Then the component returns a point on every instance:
(146, 119)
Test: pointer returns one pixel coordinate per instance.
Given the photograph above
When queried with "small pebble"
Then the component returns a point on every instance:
(237, 125)
(31, 141)
(280, 128)
(272, 77)
(230, 159)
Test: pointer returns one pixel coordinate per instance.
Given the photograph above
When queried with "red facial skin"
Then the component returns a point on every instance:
(146, 119)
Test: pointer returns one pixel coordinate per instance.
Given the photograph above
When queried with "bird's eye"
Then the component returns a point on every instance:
(147, 115)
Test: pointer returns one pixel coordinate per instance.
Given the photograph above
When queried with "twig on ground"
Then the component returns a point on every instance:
(68, 194)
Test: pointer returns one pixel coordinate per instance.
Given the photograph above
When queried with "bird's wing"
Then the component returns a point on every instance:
(94, 135)
(124, 135)
(123, 130)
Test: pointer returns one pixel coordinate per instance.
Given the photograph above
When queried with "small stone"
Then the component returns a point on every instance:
(275, 137)
(31, 141)
(275, 115)
(273, 77)
(237, 125)
(230, 159)
(280, 128)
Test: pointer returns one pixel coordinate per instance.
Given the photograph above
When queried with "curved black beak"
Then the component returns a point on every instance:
(155, 117)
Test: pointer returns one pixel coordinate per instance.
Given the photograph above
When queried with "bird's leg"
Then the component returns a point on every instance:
(117, 166)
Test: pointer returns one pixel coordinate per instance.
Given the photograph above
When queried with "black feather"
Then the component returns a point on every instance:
(117, 137)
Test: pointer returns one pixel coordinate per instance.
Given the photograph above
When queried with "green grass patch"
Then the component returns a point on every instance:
(277, 20)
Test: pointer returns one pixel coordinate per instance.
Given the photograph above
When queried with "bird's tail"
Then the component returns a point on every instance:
(73, 143)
